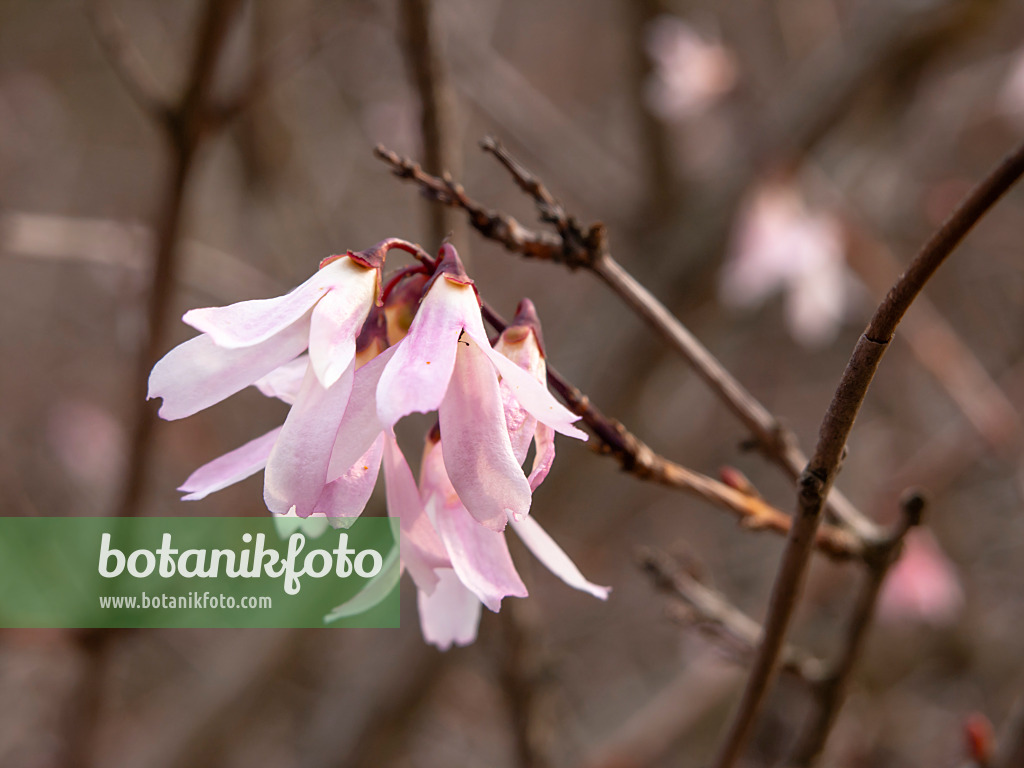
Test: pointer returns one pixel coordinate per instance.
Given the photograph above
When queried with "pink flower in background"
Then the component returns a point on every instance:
(446, 363)
(922, 586)
(780, 245)
(87, 440)
(690, 73)
(1011, 95)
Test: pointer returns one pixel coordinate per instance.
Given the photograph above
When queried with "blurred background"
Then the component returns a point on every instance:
(766, 167)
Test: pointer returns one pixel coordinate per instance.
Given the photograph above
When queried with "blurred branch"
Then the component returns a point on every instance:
(708, 607)
(679, 708)
(635, 457)
(932, 339)
(1010, 750)
(575, 247)
(124, 245)
(189, 122)
(128, 63)
(523, 671)
(830, 689)
(821, 471)
(427, 72)
(389, 726)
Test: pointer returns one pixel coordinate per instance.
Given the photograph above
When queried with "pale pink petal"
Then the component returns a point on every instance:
(519, 423)
(923, 584)
(450, 615)
(417, 377)
(479, 556)
(531, 394)
(360, 425)
(519, 343)
(284, 381)
(336, 321)
(198, 373)
(477, 452)
(251, 322)
(544, 456)
(297, 468)
(422, 550)
(230, 468)
(347, 495)
(554, 558)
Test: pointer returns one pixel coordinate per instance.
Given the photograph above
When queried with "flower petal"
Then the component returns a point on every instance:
(544, 457)
(479, 556)
(554, 558)
(336, 321)
(422, 550)
(297, 467)
(477, 452)
(417, 377)
(531, 394)
(284, 381)
(230, 468)
(347, 495)
(450, 615)
(360, 425)
(251, 322)
(198, 373)
(373, 593)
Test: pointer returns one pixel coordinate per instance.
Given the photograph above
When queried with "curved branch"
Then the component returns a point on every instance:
(817, 479)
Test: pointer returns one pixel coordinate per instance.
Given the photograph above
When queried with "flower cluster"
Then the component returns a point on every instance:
(352, 358)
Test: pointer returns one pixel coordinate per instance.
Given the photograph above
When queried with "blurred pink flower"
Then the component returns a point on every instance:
(922, 586)
(690, 73)
(780, 245)
(1011, 95)
(87, 440)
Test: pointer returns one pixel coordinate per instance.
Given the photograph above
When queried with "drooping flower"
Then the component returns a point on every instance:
(445, 363)
(260, 340)
(781, 245)
(421, 347)
(482, 571)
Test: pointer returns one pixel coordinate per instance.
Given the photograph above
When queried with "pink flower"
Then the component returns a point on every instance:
(780, 245)
(347, 394)
(245, 342)
(922, 585)
(446, 363)
(690, 74)
(481, 566)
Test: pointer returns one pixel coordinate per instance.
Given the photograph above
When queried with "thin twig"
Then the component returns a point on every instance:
(830, 689)
(428, 74)
(711, 608)
(637, 458)
(189, 123)
(127, 62)
(820, 474)
(576, 248)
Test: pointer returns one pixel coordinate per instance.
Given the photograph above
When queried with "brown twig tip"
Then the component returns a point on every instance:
(913, 504)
